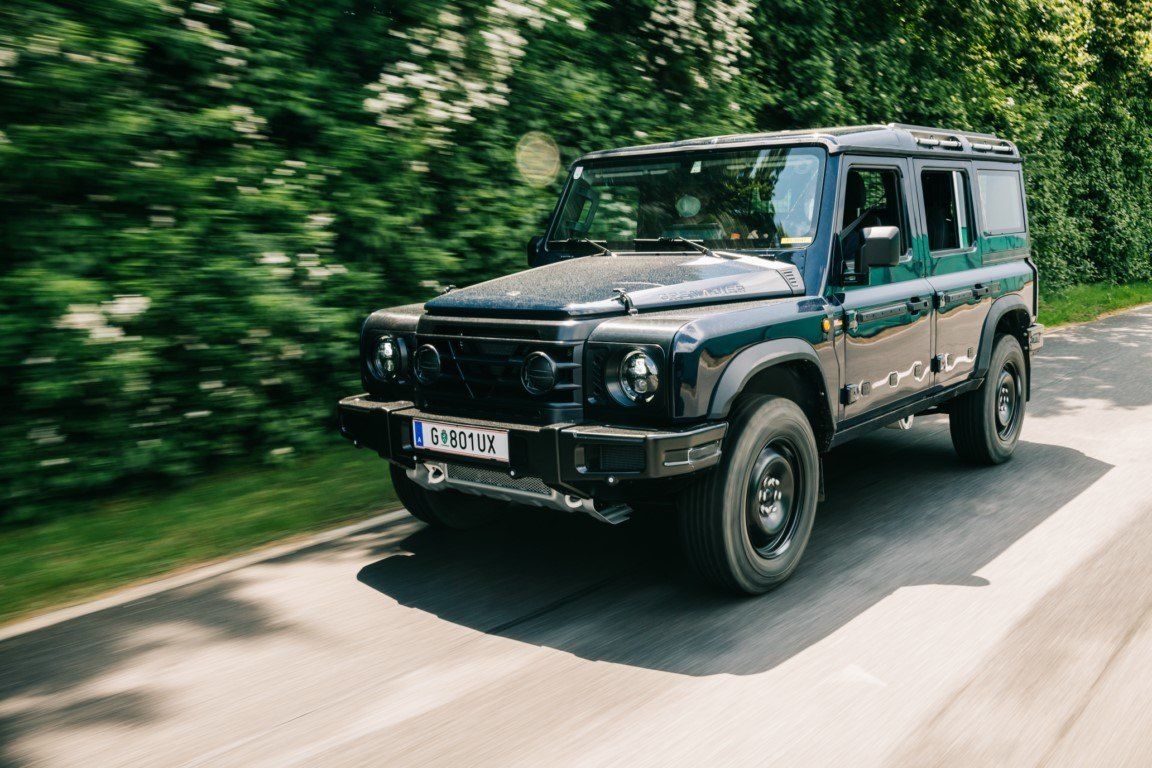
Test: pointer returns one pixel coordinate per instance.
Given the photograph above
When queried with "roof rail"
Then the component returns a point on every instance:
(1000, 146)
(956, 140)
(937, 139)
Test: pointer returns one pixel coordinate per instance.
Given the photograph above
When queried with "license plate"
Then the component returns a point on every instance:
(463, 441)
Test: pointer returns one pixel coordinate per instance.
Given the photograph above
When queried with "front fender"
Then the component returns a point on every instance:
(757, 358)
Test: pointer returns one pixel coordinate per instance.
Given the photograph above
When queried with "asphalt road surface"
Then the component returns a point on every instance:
(943, 615)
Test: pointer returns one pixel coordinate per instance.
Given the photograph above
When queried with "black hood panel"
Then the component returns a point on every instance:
(588, 286)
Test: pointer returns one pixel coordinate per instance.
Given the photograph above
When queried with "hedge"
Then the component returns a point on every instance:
(201, 201)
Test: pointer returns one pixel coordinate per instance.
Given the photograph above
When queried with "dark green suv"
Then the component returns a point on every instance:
(703, 321)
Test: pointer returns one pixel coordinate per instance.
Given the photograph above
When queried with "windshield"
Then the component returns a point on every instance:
(751, 199)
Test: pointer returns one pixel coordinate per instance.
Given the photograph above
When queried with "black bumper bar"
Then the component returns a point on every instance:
(568, 457)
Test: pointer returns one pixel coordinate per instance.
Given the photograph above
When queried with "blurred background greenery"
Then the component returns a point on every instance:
(202, 200)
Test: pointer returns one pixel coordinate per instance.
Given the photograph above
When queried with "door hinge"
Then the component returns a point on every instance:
(850, 394)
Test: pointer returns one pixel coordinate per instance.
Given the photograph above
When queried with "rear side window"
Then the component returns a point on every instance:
(946, 213)
(1002, 201)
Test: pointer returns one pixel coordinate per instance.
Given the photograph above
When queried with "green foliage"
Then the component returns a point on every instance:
(134, 536)
(1088, 301)
(203, 199)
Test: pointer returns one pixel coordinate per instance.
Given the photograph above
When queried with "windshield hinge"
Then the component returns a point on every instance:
(447, 289)
(623, 297)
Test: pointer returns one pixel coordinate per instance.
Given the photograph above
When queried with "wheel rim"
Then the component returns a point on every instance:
(1009, 396)
(774, 499)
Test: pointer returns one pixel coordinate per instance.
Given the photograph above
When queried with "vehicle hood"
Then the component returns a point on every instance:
(591, 285)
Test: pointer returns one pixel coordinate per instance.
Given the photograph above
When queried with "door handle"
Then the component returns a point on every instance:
(952, 297)
(981, 290)
(918, 305)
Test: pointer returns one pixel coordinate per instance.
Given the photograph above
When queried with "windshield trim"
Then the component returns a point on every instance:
(681, 153)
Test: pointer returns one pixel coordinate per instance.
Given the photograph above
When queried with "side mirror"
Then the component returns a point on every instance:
(535, 251)
(881, 247)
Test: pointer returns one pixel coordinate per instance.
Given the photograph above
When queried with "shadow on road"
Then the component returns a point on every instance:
(901, 511)
(52, 670)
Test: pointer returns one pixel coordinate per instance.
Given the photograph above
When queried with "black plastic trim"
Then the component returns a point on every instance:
(553, 452)
(1002, 306)
(853, 428)
(757, 358)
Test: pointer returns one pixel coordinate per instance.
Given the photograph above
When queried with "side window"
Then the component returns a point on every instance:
(873, 197)
(946, 209)
(1002, 201)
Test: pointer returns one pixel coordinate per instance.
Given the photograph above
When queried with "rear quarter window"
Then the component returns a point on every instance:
(1002, 201)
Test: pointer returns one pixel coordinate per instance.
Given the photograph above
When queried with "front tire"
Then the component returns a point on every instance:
(442, 509)
(986, 423)
(745, 524)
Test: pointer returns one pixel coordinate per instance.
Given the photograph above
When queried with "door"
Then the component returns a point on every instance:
(887, 311)
(964, 287)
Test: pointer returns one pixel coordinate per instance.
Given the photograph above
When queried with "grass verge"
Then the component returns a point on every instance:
(123, 540)
(1081, 303)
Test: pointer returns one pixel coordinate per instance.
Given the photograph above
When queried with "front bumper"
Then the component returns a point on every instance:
(571, 458)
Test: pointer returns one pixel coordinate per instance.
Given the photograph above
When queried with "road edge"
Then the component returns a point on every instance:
(193, 575)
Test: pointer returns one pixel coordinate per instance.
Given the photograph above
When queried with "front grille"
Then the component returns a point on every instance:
(481, 373)
(493, 478)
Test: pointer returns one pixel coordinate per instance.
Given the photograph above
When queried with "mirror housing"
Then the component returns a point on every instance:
(881, 247)
(535, 251)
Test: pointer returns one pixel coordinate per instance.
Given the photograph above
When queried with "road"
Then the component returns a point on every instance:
(944, 615)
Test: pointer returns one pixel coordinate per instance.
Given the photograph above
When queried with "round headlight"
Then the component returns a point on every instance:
(639, 376)
(389, 358)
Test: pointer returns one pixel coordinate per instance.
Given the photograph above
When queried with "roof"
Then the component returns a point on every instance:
(891, 139)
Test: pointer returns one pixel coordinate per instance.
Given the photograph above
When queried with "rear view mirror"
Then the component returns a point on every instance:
(881, 247)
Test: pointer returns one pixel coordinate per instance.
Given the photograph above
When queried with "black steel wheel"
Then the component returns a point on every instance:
(745, 523)
(775, 490)
(1009, 399)
(986, 423)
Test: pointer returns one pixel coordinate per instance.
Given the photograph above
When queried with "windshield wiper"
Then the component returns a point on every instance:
(699, 247)
(585, 241)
